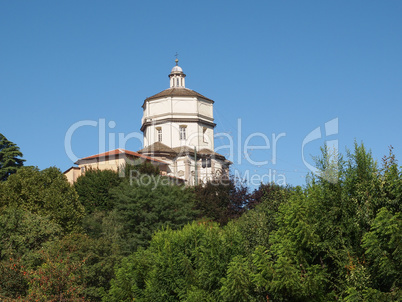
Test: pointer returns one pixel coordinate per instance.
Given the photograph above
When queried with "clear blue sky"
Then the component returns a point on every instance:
(279, 66)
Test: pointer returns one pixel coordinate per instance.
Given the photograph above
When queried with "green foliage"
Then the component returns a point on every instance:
(315, 232)
(46, 193)
(362, 189)
(291, 267)
(257, 225)
(10, 158)
(22, 232)
(131, 277)
(87, 263)
(221, 200)
(72, 268)
(148, 204)
(13, 283)
(383, 246)
(57, 279)
(106, 224)
(336, 239)
(93, 189)
(359, 285)
(238, 286)
(187, 264)
(391, 183)
(133, 169)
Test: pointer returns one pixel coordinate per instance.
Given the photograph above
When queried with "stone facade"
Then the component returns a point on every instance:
(178, 129)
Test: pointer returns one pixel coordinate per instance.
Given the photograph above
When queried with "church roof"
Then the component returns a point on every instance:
(157, 147)
(170, 92)
(117, 152)
(209, 152)
(189, 150)
(176, 69)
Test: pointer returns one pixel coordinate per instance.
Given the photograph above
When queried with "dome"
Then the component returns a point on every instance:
(176, 69)
(177, 76)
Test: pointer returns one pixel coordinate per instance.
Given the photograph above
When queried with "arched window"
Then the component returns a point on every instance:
(177, 82)
(206, 162)
(159, 133)
(183, 132)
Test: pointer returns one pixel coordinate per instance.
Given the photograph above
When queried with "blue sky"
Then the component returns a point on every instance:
(280, 66)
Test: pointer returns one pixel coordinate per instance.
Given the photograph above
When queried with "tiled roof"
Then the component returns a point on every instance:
(213, 153)
(183, 149)
(71, 168)
(190, 150)
(157, 147)
(209, 152)
(122, 151)
(177, 92)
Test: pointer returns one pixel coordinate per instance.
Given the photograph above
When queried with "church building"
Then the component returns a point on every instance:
(178, 130)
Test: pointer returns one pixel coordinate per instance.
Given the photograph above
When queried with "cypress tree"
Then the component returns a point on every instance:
(10, 158)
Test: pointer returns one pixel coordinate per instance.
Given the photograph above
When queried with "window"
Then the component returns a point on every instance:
(177, 82)
(204, 135)
(159, 133)
(206, 162)
(183, 132)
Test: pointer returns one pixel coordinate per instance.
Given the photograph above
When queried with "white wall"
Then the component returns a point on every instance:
(183, 108)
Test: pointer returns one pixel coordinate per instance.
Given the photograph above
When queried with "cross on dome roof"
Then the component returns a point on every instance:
(176, 68)
(177, 76)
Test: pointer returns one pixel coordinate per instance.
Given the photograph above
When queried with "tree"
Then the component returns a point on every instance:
(22, 234)
(179, 265)
(10, 158)
(46, 193)
(131, 168)
(221, 200)
(318, 244)
(383, 246)
(74, 265)
(146, 205)
(59, 278)
(12, 279)
(93, 189)
(336, 239)
(257, 225)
